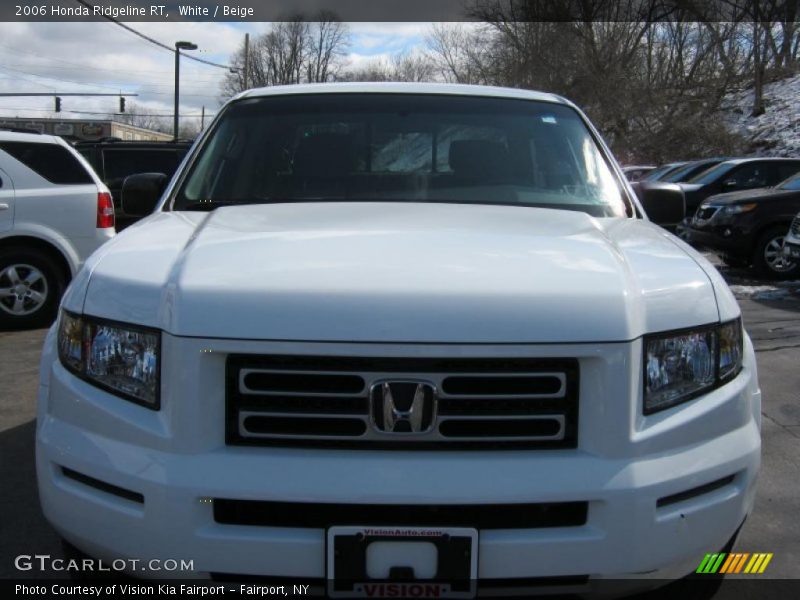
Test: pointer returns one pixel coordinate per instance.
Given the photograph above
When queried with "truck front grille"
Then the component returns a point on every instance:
(464, 402)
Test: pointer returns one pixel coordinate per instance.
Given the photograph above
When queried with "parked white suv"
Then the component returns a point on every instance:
(389, 331)
(54, 212)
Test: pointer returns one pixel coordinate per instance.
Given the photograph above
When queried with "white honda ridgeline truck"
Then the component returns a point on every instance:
(398, 331)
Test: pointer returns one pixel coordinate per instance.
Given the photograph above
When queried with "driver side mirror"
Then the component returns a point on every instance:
(664, 204)
(141, 193)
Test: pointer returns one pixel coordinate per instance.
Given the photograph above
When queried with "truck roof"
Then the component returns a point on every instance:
(16, 136)
(402, 88)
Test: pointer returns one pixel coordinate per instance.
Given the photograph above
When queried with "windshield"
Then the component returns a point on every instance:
(401, 147)
(687, 172)
(660, 172)
(791, 184)
(712, 174)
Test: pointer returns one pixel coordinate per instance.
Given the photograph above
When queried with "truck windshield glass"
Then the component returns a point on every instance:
(401, 147)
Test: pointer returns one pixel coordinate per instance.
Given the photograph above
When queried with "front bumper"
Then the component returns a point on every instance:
(177, 460)
(791, 250)
(735, 242)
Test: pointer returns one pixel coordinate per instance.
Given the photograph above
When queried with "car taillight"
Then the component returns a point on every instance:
(105, 210)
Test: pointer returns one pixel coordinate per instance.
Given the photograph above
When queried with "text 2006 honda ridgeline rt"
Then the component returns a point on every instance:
(391, 331)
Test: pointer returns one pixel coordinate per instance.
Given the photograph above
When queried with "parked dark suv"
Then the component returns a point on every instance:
(114, 160)
(737, 175)
(748, 227)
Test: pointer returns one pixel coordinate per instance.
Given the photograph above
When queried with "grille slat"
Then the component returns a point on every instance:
(280, 425)
(491, 385)
(269, 382)
(322, 516)
(481, 403)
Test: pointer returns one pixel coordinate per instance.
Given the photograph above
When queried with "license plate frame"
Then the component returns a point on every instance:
(456, 566)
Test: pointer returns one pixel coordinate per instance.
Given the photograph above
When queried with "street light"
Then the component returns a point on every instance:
(178, 47)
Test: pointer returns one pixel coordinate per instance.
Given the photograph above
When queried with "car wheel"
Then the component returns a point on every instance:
(30, 288)
(768, 258)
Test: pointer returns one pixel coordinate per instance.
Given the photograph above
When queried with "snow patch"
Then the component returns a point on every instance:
(763, 292)
(777, 131)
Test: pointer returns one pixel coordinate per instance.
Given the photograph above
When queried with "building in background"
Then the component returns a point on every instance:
(85, 129)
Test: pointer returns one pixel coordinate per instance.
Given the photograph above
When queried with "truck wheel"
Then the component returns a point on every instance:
(768, 258)
(30, 288)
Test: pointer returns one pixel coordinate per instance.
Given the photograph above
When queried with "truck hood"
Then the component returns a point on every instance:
(399, 272)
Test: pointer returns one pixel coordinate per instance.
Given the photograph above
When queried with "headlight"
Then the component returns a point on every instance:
(682, 365)
(123, 359)
(735, 209)
(731, 348)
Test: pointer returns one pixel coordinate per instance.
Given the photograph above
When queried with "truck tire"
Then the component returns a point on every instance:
(768, 259)
(31, 285)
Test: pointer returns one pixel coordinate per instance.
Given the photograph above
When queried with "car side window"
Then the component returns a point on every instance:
(54, 163)
(91, 155)
(120, 163)
(748, 176)
(786, 170)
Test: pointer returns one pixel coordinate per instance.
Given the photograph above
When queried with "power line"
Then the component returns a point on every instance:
(5, 68)
(92, 112)
(154, 41)
(54, 93)
(83, 66)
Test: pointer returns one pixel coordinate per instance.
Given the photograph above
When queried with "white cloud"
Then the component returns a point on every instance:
(103, 57)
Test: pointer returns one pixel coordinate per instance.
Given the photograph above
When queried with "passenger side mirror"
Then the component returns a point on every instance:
(141, 192)
(664, 204)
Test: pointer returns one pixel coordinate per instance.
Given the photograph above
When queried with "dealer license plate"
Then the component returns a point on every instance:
(402, 562)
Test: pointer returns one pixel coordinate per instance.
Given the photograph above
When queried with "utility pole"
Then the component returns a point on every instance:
(178, 47)
(203, 119)
(246, 58)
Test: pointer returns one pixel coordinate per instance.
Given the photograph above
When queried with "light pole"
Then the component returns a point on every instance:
(178, 47)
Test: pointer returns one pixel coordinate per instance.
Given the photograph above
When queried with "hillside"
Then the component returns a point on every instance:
(777, 131)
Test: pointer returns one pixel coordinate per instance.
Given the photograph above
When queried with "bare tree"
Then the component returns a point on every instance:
(459, 53)
(139, 116)
(412, 67)
(292, 51)
(374, 70)
(328, 47)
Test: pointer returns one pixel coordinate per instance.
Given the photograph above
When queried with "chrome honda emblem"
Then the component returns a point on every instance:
(403, 406)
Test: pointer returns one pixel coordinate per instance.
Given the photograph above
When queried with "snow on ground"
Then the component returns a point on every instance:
(744, 285)
(765, 292)
(777, 131)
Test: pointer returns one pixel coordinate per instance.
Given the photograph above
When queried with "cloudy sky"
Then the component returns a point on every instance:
(103, 57)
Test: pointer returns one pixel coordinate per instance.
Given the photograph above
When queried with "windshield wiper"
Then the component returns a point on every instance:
(211, 204)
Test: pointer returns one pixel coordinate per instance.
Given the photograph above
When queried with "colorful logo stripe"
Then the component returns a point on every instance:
(724, 563)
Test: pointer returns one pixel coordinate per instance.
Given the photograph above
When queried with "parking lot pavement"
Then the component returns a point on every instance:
(771, 314)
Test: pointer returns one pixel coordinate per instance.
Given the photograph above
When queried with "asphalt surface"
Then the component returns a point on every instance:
(771, 315)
